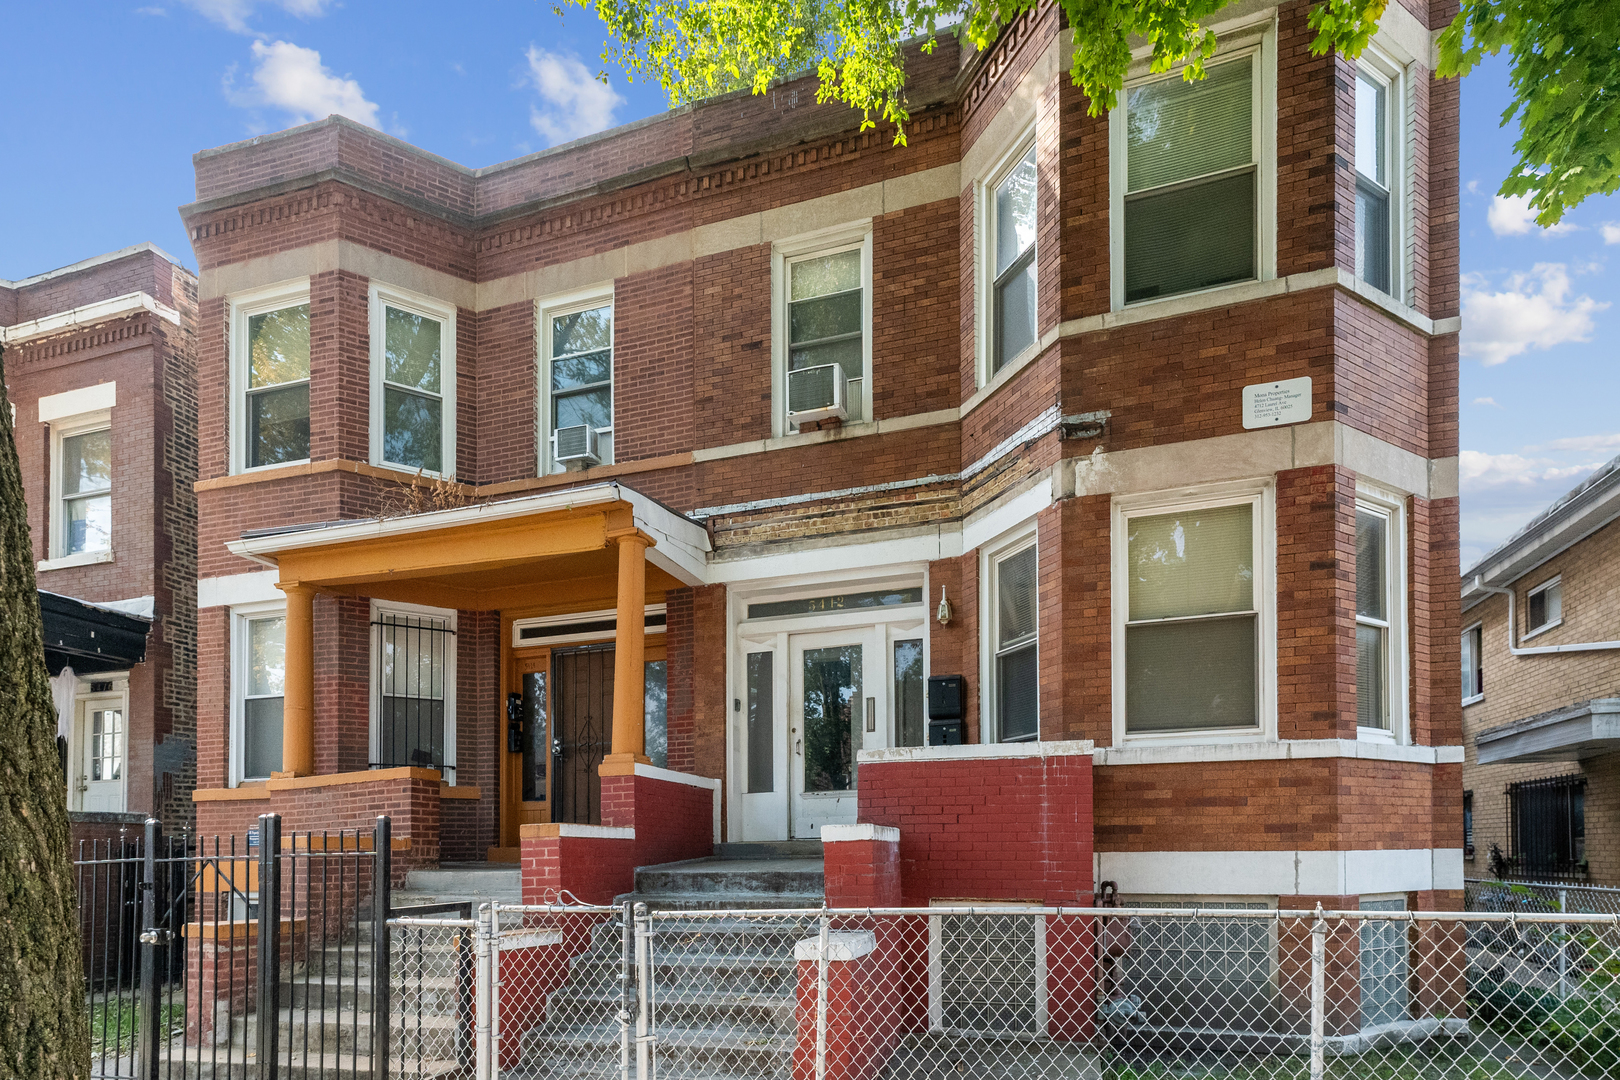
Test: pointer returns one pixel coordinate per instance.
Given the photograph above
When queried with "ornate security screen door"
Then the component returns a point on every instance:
(582, 710)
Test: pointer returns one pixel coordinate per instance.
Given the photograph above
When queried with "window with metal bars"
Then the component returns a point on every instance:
(1547, 823)
(413, 720)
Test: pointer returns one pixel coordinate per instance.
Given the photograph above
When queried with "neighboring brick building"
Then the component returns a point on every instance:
(1078, 464)
(101, 368)
(1541, 694)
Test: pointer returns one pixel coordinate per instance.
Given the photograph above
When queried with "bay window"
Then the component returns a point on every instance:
(1014, 671)
(1013, 303)
(1380, 616)
(270, 377)
(413, 373)
(1378, 175)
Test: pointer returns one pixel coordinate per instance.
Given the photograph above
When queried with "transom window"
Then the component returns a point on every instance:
(1192, 183)
(578, 381)
(277, 397)
(85, 485)
(1016, 672)
(1545, 609)
(1377, 179)
(826, 323)
(413, 383)
(1192, 637)
(1013, 312)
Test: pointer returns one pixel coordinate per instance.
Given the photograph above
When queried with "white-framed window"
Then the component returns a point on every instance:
(1473, 664)
(1380, 615)
(269, 340)
(1544, 607)
(1006, 273)
(258, 688)
(576, 375)
(81, 488)
(1194, 614)
(1194, 174)
(1380, 173)
(413, 688)
(413, 382)
(821, 315)
(1011, 600)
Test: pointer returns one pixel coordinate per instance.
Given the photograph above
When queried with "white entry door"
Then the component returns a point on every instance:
(829, 702)
(103, 743)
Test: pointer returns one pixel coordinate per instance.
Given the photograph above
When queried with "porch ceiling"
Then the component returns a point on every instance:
(490, 556)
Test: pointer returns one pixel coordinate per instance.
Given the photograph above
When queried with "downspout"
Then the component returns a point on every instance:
(1539, 650)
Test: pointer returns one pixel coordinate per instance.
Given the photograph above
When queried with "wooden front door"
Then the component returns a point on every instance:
(583, 714)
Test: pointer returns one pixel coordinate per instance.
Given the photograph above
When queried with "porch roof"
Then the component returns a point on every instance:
(489, 555)
(1579, 731)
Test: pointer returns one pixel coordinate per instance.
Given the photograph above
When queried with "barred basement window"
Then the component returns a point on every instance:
(413, 711)
(1547, 824)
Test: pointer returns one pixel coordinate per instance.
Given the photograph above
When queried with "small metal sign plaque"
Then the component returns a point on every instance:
(1271, 404)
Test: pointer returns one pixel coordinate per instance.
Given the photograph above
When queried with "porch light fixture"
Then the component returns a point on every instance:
(944, 615)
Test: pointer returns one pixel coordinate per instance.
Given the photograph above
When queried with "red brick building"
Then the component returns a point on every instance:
(1145, 425)
(101, 369)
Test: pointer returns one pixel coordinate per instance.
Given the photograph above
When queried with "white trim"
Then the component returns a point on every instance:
(599, 615)
(849, 834)
(1023, 538)
(1385, 69)
(598, 294)
(1262, 495)
(229, 590)
(1282, 873)
(380, 608)
(831, 241)
(101, 397)
(566, 831)
(379, 297)
(670, 776)
(60, 430)
(842, 945)
(1398, 691)
(979, 752)
(88, 315)
(84, 700)
(240, 615)
(986, 525)
(1476, 627)
(936, 980)
(1188, 753)
(1258, 40)
(984, 253)
(275, 297)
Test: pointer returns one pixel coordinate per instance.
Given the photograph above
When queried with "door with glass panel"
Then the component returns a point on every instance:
(830, 707)
(103, 745)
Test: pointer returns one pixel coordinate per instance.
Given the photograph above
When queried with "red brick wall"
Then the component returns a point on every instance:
(673, 821)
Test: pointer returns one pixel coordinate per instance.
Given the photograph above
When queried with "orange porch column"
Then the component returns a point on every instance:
(298, 704)
(629, 657)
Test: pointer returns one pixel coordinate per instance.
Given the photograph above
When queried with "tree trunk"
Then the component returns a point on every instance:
(44, 1029)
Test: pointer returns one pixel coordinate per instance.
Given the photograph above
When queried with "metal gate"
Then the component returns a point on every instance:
(583, 715)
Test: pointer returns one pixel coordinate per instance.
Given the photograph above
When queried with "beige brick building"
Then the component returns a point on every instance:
(1541, 708)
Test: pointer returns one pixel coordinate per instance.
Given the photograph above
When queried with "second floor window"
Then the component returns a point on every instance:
(1545, 609)
(821, 329)
(277, 394)
(1192, 181)
(413, 383)
(1473, 668)
(85, 484)
(826, 318)
(578, 385)
(1377, 205)
(1013, 307)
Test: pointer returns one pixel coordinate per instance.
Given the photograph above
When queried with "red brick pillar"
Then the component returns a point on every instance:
(222, 961)
(861, 1031)
(862, 865)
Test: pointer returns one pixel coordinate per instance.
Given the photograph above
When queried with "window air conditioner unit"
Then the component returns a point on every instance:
(576, 444)
(817, 393)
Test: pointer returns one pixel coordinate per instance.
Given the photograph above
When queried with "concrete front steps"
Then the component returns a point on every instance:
(459, 883)
(723, 987)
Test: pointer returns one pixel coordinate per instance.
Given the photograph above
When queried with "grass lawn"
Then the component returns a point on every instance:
(113, 1022)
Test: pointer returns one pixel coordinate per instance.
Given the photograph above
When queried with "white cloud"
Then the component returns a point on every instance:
(1530, 310)
(234, 14)
(1511, 215)
(1501, 492)
(1487, 401)
(1473, 187)
(1479, 471)
(1590, 444)
(1611, 232)
(572, 103)
(155, 12)
(292, 78)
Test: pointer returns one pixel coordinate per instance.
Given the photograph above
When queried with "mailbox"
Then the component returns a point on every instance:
(946, 697)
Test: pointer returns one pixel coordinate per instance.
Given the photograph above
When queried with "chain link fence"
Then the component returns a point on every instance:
(1009, 993)
(1489, 894)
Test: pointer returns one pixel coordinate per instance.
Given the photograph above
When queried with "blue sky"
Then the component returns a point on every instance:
(108, 101)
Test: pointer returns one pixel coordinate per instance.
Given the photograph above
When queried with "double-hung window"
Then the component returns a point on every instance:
(1012, 234)
(822, 320)
(1545, 608)
(1373, 619)
(576, 382)
(413, 374)
(1194, 180)
(270, 378)
(1473, 665)
(84, 489)
(1015, 672)
(1378, 176)
(259, 644)
(413, 663)
(1191, 617)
